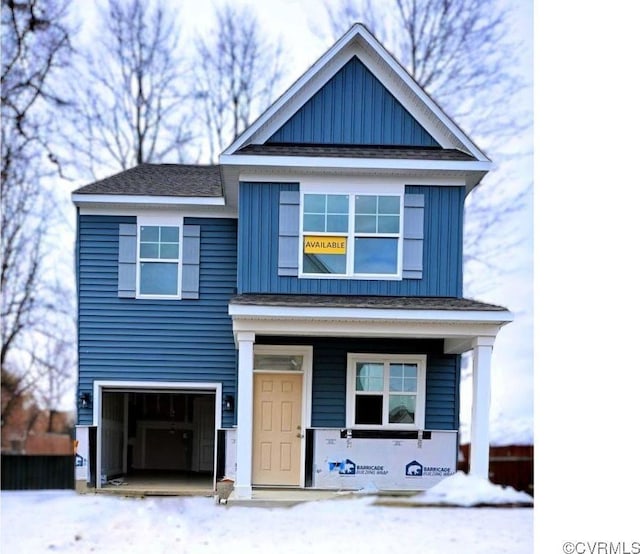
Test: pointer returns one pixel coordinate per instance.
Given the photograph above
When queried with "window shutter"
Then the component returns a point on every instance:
(412, 246)
(190, 261)
(288, 232)
(127, 260)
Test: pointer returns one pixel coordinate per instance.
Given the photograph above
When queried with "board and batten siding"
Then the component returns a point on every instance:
(354, 108)
(329, 386)
(157, 340)
(258, 247)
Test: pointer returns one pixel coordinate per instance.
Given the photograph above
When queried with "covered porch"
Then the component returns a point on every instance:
(460, 324)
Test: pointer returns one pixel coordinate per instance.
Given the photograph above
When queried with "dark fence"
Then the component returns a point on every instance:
(508, 465)
(24, 472)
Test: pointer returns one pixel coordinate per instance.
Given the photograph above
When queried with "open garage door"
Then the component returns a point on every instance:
(157, 433)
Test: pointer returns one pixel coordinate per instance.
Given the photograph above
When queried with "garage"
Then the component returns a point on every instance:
(157, 434)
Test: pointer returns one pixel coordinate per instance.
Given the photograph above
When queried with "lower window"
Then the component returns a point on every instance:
(386, 391)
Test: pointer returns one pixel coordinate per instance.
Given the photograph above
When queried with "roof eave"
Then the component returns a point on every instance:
(252, 311)
(90, 200)
(353, 163)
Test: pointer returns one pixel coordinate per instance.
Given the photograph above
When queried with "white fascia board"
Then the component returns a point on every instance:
(354, 163)
(123, 209)
(354, 182)
(370, 314)
(80, 199)
(366, 328)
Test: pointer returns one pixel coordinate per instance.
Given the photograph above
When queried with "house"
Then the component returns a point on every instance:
(294, 315)
(29, 430)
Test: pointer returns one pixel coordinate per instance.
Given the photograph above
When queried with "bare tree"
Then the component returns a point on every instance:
(36, 326)
(132, 105)
(458, 51)
(236, 76)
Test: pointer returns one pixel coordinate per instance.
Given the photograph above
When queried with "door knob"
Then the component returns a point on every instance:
(300, 436)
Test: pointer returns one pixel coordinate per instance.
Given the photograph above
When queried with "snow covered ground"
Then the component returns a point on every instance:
(62, 521)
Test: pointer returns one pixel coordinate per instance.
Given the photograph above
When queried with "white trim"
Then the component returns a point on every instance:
(307, 370)
(351, 314)
(369, 183)
(461, 333)
(307, 380)
(244, 409)
(373, 186)
(458, 329)
(124, 210)
(155, 220)
(146, 200)
(315, 187)
(354, 163)
(480, 408)
(187, 387)
(420, 360)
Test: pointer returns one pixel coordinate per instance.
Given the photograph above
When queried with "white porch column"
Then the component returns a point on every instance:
(245, 414)
(479, 454)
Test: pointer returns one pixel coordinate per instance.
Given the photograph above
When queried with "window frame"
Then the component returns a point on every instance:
(351, 234)
(386, 359)
(159, 221)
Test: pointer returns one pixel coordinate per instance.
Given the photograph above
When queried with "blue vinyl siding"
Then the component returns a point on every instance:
(159, 340)
(329, 386)
(443, 404)
(258, 248)
(353, 107)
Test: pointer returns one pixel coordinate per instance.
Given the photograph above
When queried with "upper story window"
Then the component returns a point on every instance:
(351, 235)
(159, 258)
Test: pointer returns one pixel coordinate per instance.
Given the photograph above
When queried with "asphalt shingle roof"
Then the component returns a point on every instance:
(348, 151)
(388, 302)
(161, 180)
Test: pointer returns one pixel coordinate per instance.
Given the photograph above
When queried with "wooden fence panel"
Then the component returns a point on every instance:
(508, 466)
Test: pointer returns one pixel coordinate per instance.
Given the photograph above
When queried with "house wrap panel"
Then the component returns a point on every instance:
(160, 340)
(353, 107)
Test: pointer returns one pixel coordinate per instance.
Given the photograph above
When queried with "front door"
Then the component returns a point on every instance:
(277, 432)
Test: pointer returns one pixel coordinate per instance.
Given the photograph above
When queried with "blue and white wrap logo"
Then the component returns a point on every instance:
(344, 467)
(413, 469)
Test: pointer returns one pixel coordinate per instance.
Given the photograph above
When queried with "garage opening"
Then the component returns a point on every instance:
(157, 438)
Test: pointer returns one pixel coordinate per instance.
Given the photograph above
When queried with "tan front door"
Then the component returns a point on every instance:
(277, 417)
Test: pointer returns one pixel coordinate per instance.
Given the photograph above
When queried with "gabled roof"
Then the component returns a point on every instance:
(160, 180)
(359, 42)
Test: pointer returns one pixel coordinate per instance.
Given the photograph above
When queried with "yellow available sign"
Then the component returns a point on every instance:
(325, 245)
